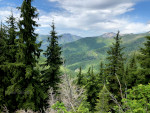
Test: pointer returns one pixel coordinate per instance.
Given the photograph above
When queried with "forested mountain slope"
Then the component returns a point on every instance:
(63, 39)
(91, 50)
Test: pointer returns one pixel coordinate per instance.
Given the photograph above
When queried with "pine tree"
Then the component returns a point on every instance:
(115, 69)
(12, 34)
(102, 76)
(92, 89)
(144, 73)
(3, 74)
(132, 72)
(26, 79)
(54, 61)
(11, 50)
(81, 78)
(102, 105)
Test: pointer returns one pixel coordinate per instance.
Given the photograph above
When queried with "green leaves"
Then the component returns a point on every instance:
(138, 99)
(60, 108)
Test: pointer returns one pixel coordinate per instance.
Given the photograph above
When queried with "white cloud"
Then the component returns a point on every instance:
(6, 11)
(87, 17)
(96, 16)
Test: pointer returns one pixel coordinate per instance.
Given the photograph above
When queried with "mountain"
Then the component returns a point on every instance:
(63, 39)
(108, 35)
(90, 51)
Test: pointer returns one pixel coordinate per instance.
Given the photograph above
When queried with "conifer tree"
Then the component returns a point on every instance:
(54, 61)
(102, 105)
(144, 73)
(92, 89)
(115, 69)
(102, 76)
(132, 73)
(81, 79)
(3, 74)
(25, 81)
(11, 50)
(12, 34)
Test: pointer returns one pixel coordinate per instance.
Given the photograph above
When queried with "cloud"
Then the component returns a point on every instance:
(96, 16)
(87, 17)
(86, 12)
(6, 12)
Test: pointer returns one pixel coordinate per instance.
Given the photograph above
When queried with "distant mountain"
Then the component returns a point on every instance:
(63, 39)
(91, 51)
(108, 35)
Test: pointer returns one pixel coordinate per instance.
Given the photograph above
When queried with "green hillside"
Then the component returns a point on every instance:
(92, 50)
(63, 39)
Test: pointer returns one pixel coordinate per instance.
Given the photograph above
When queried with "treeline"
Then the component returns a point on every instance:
(121, 86)
(22, 85)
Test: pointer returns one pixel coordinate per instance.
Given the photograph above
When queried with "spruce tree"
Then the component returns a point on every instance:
(102, 76)
(81, 78)
(12, 34)
(3, 74)
(8, 35)
(92, 89)
(26, 79)
(11, 50)
(102, 105)
(54, 61)
(132, 72)
(144, 72)
(115, 69)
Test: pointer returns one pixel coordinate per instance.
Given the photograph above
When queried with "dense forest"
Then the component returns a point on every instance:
(121, 84)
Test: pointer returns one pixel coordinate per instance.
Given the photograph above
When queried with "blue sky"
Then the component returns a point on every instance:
(87, 17)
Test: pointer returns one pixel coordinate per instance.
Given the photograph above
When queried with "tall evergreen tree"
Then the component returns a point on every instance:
(25, 81)
(11, 50)
(115, 69)
(144, 72)
(102, 76)
(12, 34)
(3, 74)
(81, 78)
(54, 61)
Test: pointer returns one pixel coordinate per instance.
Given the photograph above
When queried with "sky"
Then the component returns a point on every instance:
(86, 17)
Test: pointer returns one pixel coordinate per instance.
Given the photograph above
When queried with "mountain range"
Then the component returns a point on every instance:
(62, 39)
(80, 52)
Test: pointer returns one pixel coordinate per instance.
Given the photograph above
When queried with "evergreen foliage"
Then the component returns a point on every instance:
(25, 79)
(144, 72)
(102, 105)
(81, 78)
(102, 75)
(24, 86)
(115, 69)
(11, 50)
(3, 59)
(92, 89)
(132, 72)
(54, 61)
(137, 100)
(12, 34)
